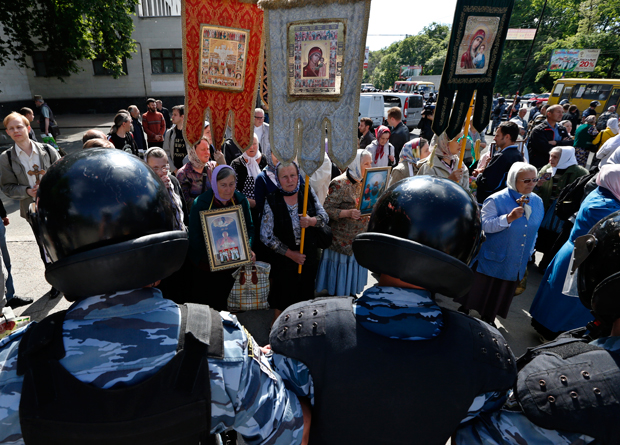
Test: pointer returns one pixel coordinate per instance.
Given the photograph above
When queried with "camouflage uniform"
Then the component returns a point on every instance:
(125, 338)
(405, 314)
(509, 425)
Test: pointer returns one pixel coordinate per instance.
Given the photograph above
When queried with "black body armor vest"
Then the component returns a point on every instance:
(171, 407)
(573, 386)
(371, 389)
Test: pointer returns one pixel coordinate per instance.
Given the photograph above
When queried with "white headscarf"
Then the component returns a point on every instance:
(355, 168)
(251, 163)
(607, 150)
(612, 124)
(567, 158)
(511, 182)
(609, 178)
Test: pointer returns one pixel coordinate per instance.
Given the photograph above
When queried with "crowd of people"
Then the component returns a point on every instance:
(318, 345)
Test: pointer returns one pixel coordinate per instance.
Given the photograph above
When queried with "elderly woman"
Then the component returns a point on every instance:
(443, 161)
(608, 149)
(552, 311)
(339, 273)
(157, 159)
(381, 150)
(213, 288)
(608, 133)
(281, 232)
(247, 167)
(195, 176)
(569, 127)
(584, 135)
(411, 153)
(561, 171)
(510, 223)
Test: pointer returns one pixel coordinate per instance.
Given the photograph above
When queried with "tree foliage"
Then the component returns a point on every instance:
(68, 31)
(566, 24)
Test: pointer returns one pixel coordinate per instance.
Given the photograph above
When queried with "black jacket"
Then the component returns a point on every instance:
(366, 140)
(231, 151)
(399, 137)
(539, 146)
(176, 186)
(493, 178)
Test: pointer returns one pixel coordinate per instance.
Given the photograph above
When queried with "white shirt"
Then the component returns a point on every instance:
(258, 131)
(29, 162)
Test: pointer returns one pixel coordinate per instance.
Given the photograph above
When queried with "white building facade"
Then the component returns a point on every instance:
(155, 70)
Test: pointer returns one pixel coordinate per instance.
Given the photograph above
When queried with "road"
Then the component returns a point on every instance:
(28, 270)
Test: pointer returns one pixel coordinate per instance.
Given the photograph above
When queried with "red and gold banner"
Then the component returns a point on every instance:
(222, 65)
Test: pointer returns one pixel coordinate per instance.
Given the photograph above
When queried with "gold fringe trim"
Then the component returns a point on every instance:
(288, 4)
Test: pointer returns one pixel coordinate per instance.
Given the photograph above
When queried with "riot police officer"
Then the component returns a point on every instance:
(124, 365)
(567, 391)
(393, 366)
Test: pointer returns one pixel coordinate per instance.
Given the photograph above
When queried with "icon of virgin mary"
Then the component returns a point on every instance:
(467, 59)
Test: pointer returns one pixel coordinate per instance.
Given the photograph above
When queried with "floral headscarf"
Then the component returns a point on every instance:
(280, 185)
(410, 151)
(441, 149)
(380, 148)
(194, 159)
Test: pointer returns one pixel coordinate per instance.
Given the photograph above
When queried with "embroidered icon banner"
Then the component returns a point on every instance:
(222, 65)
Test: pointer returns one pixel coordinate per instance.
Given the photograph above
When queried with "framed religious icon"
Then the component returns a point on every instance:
(476, 45)
(226, 238)
(374, 183)
(315, 58)
(223, 55)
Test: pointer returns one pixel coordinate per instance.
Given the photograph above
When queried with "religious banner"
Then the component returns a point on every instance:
(222, 66)
(315, 58)
(474, 54)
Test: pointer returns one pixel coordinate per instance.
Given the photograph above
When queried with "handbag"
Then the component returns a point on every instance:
(251, 288)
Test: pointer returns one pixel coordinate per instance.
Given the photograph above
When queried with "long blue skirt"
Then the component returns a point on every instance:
(551, 308)
(340, 274)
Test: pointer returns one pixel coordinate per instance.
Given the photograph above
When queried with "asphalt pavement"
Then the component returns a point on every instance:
(28, 269)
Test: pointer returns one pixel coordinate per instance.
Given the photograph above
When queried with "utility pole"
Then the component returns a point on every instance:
(531, 46)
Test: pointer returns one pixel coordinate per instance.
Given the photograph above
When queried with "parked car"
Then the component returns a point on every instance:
(537, 99)
(410, 104)
(371, 106)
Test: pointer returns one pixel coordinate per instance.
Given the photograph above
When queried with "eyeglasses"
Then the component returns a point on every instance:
(527, 181)
(259, 117)
(164, 169)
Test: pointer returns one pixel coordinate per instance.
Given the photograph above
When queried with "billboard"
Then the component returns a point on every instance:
(573, 60)
(521, 34)
(410, 71)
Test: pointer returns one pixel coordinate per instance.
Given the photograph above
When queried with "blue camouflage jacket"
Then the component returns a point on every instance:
(411, 315)
(509, 426)
(127, 337)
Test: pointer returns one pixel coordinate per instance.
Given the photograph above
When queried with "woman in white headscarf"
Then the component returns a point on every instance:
(552, 311)
(443, 161)
(607, 150)
(339, 273)
(561, 171)
(510, 220)
(247, 167)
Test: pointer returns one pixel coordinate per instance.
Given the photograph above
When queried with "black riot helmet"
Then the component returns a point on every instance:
(105, 220)
(597, 259)
(425, 231)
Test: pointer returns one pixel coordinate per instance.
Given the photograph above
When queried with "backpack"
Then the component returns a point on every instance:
(601, 122)
(570, 197)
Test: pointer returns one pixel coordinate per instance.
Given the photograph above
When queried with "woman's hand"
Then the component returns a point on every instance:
(252, 256)
(516, 213)
(32, 191)
(391, 158)
(297, 257)
(219, 157)
(351, 213)
(252, 203)
(307, 221)
(456, 175)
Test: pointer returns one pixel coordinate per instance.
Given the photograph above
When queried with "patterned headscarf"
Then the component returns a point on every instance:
(355, 168)
(609, 178)
(214, 180)
(441, 148)
(280, 185)
(194, 159)
(380, 148)
(410, 151)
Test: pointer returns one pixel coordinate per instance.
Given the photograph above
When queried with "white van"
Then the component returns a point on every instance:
(371, 105)
(411, 105)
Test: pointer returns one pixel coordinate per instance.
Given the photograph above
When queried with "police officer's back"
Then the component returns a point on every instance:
(393, 367)
(124, 365)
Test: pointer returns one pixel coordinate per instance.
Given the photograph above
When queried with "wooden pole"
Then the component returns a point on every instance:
(466, 131)
(303, 231)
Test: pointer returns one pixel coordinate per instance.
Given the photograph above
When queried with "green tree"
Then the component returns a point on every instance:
(69, 31)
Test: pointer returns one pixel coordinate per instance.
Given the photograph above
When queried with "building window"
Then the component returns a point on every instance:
(166, 61)
(43, 66)
(101, 71)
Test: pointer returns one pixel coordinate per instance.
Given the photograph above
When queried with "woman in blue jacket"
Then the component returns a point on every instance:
(510, 225)
(552, 311)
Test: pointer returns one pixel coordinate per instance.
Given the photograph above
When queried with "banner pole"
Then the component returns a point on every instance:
(303, 231)
(466, 131)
